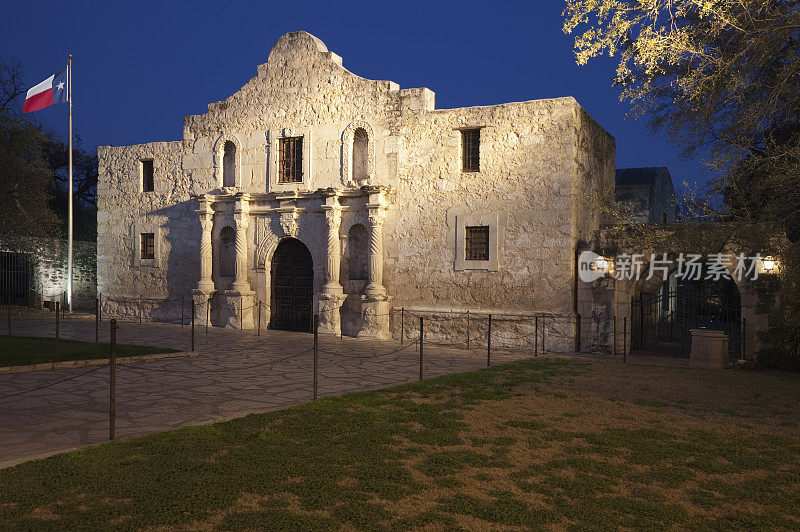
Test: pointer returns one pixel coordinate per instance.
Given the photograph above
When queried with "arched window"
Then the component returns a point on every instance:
(358, 244)
(360, 154)
(227, 255)
(229, 164)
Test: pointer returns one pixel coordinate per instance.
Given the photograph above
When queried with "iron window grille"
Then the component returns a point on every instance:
(290, 160)
(470, 150)
(147, 176)
(148, 245)
(477, 245)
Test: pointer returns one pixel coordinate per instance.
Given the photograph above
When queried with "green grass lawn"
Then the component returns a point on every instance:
(534, 444)
(23, 350)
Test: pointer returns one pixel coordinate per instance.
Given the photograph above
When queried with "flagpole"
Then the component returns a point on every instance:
(69, 201)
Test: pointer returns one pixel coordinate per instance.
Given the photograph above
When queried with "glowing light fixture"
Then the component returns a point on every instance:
(768, 263)
(602, 264)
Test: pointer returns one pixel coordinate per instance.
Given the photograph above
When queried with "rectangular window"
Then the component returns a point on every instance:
(290, 160)
(148, 246)
(470, 150)
(147, 175)
(477, 246)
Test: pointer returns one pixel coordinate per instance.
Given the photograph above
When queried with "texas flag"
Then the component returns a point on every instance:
(52, 90)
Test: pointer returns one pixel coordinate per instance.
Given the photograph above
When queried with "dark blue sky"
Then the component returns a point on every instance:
(141, 66)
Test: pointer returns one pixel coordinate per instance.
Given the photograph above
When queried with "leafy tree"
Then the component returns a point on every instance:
(33, 163)
(720, 79)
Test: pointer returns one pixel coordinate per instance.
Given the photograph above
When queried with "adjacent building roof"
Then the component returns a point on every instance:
(647, 175)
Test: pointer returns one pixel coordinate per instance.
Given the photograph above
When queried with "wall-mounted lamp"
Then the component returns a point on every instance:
(769, 264)
(602, 264)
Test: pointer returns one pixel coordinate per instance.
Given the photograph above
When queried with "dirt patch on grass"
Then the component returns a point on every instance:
(539, 444)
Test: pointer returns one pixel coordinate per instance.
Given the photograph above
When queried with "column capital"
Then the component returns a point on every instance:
(333, 215)
(242, 218)
(376, 214)
(206, 221)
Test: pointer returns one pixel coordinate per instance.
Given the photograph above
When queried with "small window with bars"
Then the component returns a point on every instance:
(470, 150)
(477, 245)
(148, 245)
(290, 160)
(147, 175)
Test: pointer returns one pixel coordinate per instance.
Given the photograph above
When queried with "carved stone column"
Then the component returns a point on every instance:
(205, 286)
(332, 296)
(375, 304)
(205, 283)
(241, 216)
(375, 286)
(333, 220)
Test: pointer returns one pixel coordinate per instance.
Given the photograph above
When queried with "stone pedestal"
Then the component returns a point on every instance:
(709, 349)
(236, 309)
(375, 317)
(201, 302)
(330, 320)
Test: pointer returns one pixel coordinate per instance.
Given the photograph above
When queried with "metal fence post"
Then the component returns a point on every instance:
(625, 339)
(208, 313)
(641, 319)
(100, 308)
(421, 337)
(183, 303)
(543, 331)
(743, 339)
(316, 353)
(489, 343)
(467, 330)
(9, 319)
(241, 314)
(140, 309)
(402, 325)
(614, 351)
(192, 324)
(578, 332)
(58, 314)
(536, 336)
(258, 330)
(96, 320)
(112, 403)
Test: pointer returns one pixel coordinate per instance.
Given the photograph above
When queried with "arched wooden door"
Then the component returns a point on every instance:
(292, 282)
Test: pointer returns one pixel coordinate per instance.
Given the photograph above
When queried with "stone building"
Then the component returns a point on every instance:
(649, 192)
(314, 190)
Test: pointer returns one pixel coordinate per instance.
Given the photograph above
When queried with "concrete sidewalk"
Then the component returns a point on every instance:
(235, 373)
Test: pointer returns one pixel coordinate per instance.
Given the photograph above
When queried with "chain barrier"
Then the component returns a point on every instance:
(96, 368)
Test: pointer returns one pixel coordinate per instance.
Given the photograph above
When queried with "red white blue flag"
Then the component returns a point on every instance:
(52, 90)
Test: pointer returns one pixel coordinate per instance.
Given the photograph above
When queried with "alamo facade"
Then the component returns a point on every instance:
(314, 190)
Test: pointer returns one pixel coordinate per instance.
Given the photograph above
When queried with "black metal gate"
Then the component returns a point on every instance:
(15, 279)
(662, 322)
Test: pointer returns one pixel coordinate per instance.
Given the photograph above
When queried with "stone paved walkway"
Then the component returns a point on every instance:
(234, 374)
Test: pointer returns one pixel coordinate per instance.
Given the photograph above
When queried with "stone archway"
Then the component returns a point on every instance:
(291, 286)
(663, 313)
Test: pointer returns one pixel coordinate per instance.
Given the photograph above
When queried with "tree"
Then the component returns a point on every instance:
(710, 73)
(33, 165)
(720, 79)
(11, 86)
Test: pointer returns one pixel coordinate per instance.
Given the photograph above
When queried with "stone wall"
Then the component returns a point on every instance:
(539, 160)
(49, 270)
